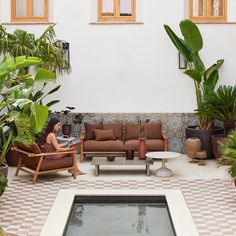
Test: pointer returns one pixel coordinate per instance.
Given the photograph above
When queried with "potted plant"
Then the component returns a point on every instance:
(229, 154)
(66, 127)
(220, 105)
(45, 47)
(22, 118)
(3, 183)
(204, 79)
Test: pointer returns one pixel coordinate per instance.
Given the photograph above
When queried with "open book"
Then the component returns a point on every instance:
(74, 142)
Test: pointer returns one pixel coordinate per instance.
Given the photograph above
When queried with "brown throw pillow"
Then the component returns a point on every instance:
(89, 135)
(153, 131)
(103, 135)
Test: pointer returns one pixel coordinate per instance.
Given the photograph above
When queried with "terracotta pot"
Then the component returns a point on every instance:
(142, 149)
(216, 139)
(12, 158)
(66, 129)
(204, 136)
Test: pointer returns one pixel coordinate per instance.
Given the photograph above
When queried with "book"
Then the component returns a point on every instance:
(74, 142)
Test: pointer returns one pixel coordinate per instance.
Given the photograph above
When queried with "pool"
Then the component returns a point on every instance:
(119, 212)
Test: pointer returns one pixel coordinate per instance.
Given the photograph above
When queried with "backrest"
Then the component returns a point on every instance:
(131, 131)
(117, 129)
(153, 130)
(89, 134)
(30, 162)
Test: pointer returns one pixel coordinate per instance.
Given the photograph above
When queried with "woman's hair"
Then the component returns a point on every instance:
(50, 127)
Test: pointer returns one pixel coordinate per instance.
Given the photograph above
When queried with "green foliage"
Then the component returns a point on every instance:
(45, 47)
(2, 231)
(189, 46)
(3, 183)
(23, 115)
(229, 153)
(220, 104)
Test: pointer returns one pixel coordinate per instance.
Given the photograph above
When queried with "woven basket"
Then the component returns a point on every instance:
(192, 146)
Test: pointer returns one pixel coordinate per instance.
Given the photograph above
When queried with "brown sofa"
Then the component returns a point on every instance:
(115, 138)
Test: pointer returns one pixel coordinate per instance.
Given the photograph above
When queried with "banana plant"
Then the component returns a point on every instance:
(22, 118)
(204, 79)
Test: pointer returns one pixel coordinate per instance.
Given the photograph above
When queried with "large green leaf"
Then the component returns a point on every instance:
(198, 64)
(44, 76)
(52, 103)
(38, 118)
(194, 74)
(182, 48)
(54, 90)
(210, 83)
(192, 35)
(211, 69)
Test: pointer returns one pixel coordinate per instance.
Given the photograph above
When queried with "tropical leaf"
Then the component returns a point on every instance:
(194, 74)
(52, 103)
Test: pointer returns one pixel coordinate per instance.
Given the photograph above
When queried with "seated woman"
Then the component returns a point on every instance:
(51, 144)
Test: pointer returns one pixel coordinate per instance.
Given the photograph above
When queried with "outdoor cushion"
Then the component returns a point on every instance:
(103, 135)
(89, 135)
(110, 145)
(131, 131)
(151, 144)
(117, 129)
(48, 164)
(153, 131)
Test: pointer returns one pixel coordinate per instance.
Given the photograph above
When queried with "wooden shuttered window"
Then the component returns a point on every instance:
(208, 10)
(116, 10)
(29, 10)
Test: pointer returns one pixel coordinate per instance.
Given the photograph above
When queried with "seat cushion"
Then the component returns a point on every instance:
(48, 164)
(110, 145)
(151, 144)
(131, 131)
(153, 131)
(89, 134)
(104, 135)
(117, 129)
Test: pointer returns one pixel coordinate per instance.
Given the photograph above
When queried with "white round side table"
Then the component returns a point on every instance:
(163, 171)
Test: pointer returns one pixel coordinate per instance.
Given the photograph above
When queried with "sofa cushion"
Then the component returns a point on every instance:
(151, 144)
(131, 131)
(103, 135)
(34, 148)
(117, 129)
(89, 135)
(110, 145)
(48, 164)
(153, 131)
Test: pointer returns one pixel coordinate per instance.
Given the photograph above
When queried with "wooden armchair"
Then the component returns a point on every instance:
(33, 161)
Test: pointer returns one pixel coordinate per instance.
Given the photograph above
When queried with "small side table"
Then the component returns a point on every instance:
(163, 171)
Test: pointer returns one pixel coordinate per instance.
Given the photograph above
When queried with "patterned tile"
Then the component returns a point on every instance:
(24, 207)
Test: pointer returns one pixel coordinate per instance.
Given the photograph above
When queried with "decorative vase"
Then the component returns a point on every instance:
(66, 129)
(204, 136)
(129, 154)
(192, 146)
(142, 149)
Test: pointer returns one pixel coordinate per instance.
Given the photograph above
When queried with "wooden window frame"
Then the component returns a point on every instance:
(29, 17)
(116, 17)
(208, 17)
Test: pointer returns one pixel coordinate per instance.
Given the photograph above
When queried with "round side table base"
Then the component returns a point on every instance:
(163, 172)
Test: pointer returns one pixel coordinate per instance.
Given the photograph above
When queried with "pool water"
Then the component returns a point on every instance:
(119, 216)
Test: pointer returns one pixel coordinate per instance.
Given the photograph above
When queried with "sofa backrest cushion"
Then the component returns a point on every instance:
(89, 134)
(117, 129)
(104, 135)
(131, 131)
(153, 131)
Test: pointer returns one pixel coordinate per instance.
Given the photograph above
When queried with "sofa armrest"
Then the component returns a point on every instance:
(166, 138)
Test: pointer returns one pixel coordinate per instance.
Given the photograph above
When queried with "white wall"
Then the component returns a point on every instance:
(131, 68)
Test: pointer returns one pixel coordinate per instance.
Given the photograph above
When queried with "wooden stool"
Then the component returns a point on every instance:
(201, 155)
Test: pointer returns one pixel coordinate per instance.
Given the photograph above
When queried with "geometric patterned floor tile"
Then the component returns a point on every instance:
(24, 207)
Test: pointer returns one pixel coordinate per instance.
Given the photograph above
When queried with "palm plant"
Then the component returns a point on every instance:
(46, 47)
(221, 105)
(204, 79)
(229, 153)
(22, 118)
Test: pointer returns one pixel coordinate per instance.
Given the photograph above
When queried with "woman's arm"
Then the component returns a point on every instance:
(59, 147)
